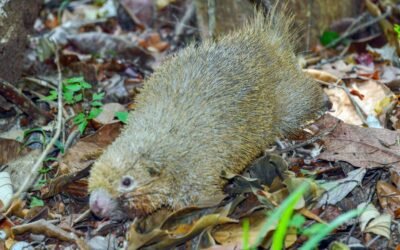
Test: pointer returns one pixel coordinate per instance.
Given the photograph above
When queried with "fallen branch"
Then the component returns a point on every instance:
(25, 104)
(46, 228)
(179, 28)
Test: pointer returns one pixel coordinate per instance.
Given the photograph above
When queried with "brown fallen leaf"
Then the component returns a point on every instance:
(89, 148)
(366, 94)
(165, 238)
(389, 198)
(224, 247)
(77, 161)
(50, 230)
(361, 147)
(232, 233)
(395, 177)
(10, 150)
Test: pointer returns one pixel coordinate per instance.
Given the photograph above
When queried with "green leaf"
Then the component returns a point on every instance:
(313, 229)
(397, 30)
(78, 79)
(93, 113)
(69, 97)
(297, 221)
(82, 126)
(36, 202)
(53, 95)
(78, 98)
(98, 96)
(85, 85)
(122, 116)
(60, 146)
(96, 104)
(79, 118)
(41, 182)
(328, 37)
(44, 170)
(73, 87)
(50, 159)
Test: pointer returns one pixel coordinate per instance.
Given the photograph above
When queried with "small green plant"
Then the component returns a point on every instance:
(74, 92)
(397, 30)
(122, 116)
(283, 218)
(36, 202)
(328, 38)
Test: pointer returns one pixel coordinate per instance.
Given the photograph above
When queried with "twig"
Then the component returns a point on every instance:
(70, 139)
(15, 96)
(356, 29)
(41, 82)
(38, 164)
(179, 28)
(47, 228)
(81, 217)
(211, 18)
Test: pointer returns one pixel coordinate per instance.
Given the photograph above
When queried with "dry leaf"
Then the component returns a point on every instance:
(76, 162)
(6, 189)
(361, 147)
(389, 198)
(232, 234)
(89, 148)
(337, 190)
(371, 221)
(108, 114)
(165, 238)
(11, 150)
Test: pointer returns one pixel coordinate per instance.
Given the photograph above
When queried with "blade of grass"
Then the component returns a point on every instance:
(280, 232)
(276, 214)
(246, 234)
(315, 239)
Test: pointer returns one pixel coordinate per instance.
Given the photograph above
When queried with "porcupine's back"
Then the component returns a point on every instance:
(214, 107)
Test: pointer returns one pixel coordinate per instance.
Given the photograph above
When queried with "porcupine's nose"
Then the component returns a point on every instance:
(101, 203)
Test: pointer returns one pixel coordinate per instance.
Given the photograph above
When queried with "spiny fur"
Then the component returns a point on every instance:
(209, 109)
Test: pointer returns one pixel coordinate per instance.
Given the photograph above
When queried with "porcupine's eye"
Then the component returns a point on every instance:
(127, 184)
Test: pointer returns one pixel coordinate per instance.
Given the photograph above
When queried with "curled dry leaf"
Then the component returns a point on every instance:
(361, 147)
(373, 94)
(369, 214)
(373, 98)
(371, 221)
(389, 198)
(6, 190)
